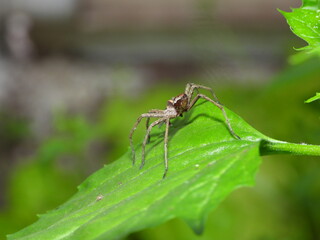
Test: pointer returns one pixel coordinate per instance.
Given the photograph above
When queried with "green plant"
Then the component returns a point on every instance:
(120, 199)
(305, 23)
(204, 168)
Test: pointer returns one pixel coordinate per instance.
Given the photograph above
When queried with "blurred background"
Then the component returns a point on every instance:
(75, 74)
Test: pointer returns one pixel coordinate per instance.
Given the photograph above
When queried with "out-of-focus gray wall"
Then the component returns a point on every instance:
(152, 13)
(45, 9)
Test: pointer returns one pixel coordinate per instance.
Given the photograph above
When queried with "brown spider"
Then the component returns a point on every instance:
(175, 108)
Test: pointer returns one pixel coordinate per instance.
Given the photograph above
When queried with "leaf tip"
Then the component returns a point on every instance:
(197, 225)
(312, 99)
(284, 13)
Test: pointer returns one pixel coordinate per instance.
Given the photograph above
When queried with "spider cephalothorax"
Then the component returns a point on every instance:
(179, 103)
(175, 107)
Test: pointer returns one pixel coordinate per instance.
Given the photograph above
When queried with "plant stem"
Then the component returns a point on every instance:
(277, 147)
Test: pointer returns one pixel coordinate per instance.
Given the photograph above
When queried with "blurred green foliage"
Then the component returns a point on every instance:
(13, 129)
(38, 183)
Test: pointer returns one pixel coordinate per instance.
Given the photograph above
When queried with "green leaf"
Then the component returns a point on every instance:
(206, 163)
(314, 98)
(305, 23)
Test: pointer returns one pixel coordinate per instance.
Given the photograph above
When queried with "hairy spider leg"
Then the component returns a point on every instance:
(166, 148)
(144, 115)
(190, 89)
(146, 138)
(192, 86)
(198, 96)
(148, 119)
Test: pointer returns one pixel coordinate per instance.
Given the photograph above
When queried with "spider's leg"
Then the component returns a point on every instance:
(166, 148)
(131, 141)
(192, 86)
(147, 126)
(198, 96)
(188, 88)
(145, 115)
(148, 119)
(156, 111)
(146, 138)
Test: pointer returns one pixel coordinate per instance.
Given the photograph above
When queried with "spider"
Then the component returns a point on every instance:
(175, 108)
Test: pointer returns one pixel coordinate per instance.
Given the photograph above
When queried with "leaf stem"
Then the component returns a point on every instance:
(278, 147)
